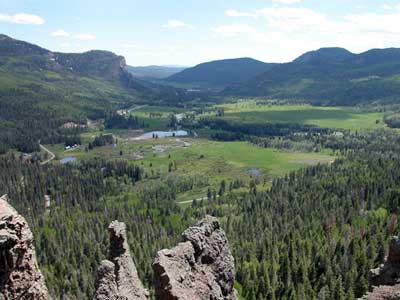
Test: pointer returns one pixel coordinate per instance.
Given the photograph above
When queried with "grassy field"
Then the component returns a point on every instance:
(156, 117)
(210, 162)
(207, 161)
(331, 117)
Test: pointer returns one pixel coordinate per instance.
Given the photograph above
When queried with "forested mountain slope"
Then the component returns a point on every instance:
(40, 90)
(315, 233)
(330, 76)
(221, 72)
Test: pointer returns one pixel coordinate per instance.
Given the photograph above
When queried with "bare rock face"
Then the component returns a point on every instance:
(20, 277)
(200, 268)
(389, 272)
(394, 251)
(117, 279)
(384, 292)
(106, 285)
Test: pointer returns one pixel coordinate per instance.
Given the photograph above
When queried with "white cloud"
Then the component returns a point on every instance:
(288, 31)
(387, 7)
(60, 33)
(22, 18)
(233, 30)
(235, 13)
(287, 2)
(375, 23)
(174, 24)
(294, 19)
(84, 36)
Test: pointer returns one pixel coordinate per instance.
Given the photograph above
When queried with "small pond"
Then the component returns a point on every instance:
(67, 160)
(254, 172)
(162, 134)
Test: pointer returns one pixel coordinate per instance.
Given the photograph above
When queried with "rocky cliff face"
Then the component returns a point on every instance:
(200, 268)
(20, 277)
(389, 272)
(102, 64)
(385, 280)
(117, 278)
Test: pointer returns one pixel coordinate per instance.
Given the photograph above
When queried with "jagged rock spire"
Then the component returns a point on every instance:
(117, 278)
(385, 280)
(20, 277)
(200, 268)
(389, 272)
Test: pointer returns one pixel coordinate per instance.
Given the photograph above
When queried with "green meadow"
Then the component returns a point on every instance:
(329, 117)
(199, 158)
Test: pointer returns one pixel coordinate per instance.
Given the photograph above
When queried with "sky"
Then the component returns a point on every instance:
(188, 32)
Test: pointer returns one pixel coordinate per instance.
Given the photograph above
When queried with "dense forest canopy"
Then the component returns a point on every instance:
(349, 209)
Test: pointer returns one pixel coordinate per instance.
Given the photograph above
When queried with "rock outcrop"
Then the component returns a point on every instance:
(106, 283)
(385, 280)
(384, 292)
(117, 278)
(200, 268)
(389, 272)
(20, 277)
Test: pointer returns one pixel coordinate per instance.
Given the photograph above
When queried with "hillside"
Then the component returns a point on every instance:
(330, 76)
(94, 76)
(221, 72)
(154, 72)
(40, 90)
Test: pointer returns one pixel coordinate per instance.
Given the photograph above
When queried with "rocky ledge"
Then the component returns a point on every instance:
(117, 278)
(385, 280)
(200, 268)
(20, 277)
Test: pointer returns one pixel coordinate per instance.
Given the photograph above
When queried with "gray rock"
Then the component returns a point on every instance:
(389, 272)
(118, 278)
(200, 268)
(384, 292)
(394, 250)
(20, 277)
(106, 285)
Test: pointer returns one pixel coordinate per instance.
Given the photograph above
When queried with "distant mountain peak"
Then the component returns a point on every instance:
(328, 53)
(222, 72)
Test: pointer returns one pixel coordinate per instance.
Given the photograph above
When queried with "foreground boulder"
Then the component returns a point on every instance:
(117, 278)
(200, 268)
(20, 277)
(384, 292)
(385, 280)
(389, 272)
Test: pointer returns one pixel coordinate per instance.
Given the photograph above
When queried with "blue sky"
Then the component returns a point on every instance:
(188, 32)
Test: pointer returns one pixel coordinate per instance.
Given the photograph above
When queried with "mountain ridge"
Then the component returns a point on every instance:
(331, 76)
(221, 72)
